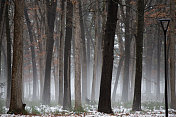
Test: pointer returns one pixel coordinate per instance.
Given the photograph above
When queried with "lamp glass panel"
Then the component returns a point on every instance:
(165, 24)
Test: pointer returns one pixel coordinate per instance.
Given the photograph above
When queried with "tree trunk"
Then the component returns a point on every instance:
(172, 53)
(139, 50)
(67, 53)
(61, 52)
(88, 59)
(95, 65)
(51, 13)
(149, 64)
(127, 55)
(77, 40)
(117, 78)
(84, 55)
(34, 67)
(9, 71)
(41, 68)
(2, 17)
(16, 105)
(158, 67)
(104, 104)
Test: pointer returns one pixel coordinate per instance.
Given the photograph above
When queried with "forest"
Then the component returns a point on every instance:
(88, 58)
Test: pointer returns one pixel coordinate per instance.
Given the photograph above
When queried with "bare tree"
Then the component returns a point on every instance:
(61, 52)
(77, 41)
(9, 71)
(32, 46)
(139, 50)
(172, 53)
(16, 105)
(84, 55)
(104, 104)
(51, 14)
(67, 54)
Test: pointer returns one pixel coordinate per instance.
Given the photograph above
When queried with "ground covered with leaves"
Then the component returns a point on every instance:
(149, 109)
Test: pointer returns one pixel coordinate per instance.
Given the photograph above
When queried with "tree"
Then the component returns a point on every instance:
(67, 54)
(32, 46)
(84, 55)
(9, 71)
(104, 104)
(127, 54)
(158, 65)
(2, 17)
(172, 53)
(51, 14)
(61, 52)
(77, 41)
(139, 50)
(16, 105)
(96, 52)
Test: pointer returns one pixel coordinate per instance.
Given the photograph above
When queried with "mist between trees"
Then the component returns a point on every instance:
(76, 52)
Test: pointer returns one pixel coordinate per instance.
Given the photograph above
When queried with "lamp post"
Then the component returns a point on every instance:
(165, 25)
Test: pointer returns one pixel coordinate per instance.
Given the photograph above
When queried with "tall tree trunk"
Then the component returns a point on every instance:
(39, 32)
(34, 67)
(100, 34)
(127, 54)
(88, 59)
(149, 64)
(139, 50)
(172, 53)
(77, 57)
(16, 105)
(51, 14)
(84, 57)
(158, 66)
(95, 65)
(117, 77)
(104, 104)
(61, 52)
(121, 61)
(9, 71)
(2, 17)
(67, 55)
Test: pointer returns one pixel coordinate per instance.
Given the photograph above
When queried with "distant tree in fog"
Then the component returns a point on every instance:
(51, 14)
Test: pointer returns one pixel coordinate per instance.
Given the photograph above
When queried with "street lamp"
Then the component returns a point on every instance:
(165, 25)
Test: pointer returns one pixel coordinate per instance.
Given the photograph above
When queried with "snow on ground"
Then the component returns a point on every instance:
(90, 111)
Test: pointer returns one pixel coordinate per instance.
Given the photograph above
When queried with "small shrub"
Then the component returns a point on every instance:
(79, 110)
(35, 111)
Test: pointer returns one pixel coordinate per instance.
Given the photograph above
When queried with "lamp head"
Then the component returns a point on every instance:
(164, 24)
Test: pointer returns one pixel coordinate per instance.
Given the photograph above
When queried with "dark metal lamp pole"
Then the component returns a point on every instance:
(165, 25)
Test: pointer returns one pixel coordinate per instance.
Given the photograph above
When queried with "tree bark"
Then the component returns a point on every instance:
(117, 77)
(139, 50)
(127, 54)
(51, 13)
(84, 55)
(104, 104)
(32, 46)
(16, 105)
(2, 17)
(172, 53)
(96, 48)
(67, 53)
(158, 66)
(9, 71)
(77, 40)
(61, 52)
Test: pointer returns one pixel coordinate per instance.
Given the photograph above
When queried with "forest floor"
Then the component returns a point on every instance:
(149, 109)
